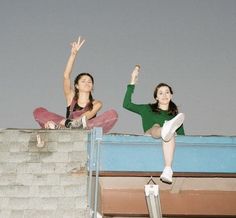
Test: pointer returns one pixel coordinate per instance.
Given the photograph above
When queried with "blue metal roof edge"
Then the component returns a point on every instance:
(230, 140)
(209, 154)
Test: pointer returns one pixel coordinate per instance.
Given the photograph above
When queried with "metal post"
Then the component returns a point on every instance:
(94, 163)
(98, 139)
(90, 166)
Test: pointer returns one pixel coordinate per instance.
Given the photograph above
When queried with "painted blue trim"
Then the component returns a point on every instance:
(210, 154)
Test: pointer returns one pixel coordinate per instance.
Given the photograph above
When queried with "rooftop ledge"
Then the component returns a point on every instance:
(142, 154)
(132, 154)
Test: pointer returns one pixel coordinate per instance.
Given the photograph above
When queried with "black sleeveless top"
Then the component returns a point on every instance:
(76, 108)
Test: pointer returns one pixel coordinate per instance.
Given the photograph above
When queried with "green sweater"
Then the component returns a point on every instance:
(149, 117)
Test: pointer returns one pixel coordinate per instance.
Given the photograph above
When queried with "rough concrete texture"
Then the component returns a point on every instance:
(43, 182)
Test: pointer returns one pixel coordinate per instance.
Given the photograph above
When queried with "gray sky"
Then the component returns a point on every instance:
(189, 44)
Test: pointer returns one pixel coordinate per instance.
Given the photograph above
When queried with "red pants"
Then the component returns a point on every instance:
(105, 120)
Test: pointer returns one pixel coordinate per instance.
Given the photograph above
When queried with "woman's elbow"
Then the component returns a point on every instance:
(126, 106)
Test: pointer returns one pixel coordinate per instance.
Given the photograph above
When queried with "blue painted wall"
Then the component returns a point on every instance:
(207, 154)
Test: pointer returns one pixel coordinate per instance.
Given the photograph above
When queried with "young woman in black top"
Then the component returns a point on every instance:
(82, 108)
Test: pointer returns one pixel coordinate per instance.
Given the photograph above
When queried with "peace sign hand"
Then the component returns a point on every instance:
(75, 46)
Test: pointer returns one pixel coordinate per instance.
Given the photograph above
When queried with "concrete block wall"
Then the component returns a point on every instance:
(47, 182)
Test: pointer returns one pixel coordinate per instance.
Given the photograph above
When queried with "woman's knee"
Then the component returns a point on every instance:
(38, 111)
(110, 114)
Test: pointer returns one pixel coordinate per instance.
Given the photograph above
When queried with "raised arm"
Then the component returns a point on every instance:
(127, 102)
(97, 105)
(134, 75)
(68, 87)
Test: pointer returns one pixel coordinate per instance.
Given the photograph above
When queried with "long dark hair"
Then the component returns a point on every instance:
(172, 109)
(91, 99)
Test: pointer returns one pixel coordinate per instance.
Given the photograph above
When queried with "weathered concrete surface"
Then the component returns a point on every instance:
(47, 182)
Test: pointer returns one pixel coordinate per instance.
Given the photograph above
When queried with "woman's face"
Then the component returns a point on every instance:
(164, 95)
(85, 84)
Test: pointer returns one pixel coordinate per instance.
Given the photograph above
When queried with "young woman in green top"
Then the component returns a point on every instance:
(160, 119)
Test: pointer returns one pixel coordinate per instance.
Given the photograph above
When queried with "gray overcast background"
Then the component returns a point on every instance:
(189, 44)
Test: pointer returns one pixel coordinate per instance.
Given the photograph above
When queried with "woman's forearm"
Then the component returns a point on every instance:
(69, 66)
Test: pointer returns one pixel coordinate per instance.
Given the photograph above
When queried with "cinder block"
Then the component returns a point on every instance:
(61, 168)
(14, 191)
(52, 146)
(4, 146)
(4, 202)
(7, 191)
(50, 203)
(29, 168)
(24, 179)
(58, 191)
(39, 214)
(73, 180)
(53, 179)
(72, 213)
(5, 213)
(66, 203)
(17, 214)
(49, 168)
(35, 168)
(75, 190)
(8, 179)
(18, 203)
(34, 157)
(79, 146)
(22, 191)
(39, 179)
(54, 157)
(77, 156)
(79, 135)
(4, 157)
(64, 137)
(18, 146)
(44, 191)
(65, 146)
(8, 168)
(76, 165)
(19, 157)
(11, 136)
(33, 191)
(35, 203)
